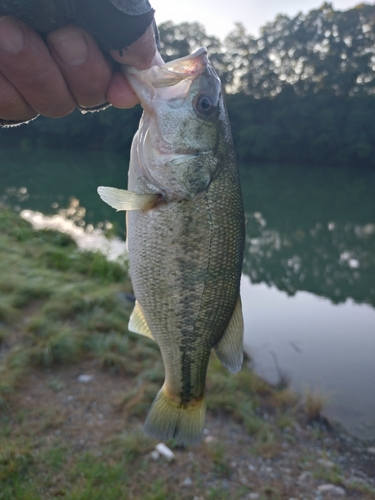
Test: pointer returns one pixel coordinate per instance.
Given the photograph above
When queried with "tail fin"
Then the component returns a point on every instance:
(167, 420)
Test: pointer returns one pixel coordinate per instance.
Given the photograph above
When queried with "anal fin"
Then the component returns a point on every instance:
(229, 349)
(138, 323)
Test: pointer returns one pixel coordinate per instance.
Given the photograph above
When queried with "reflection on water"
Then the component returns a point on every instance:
(309, 284)
(313, 230)
(326, 348)
(86, 238)
(46, 181)
(303, 235)
(335, 260)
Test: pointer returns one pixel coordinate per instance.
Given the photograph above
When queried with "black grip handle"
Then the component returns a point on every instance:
(115, 24)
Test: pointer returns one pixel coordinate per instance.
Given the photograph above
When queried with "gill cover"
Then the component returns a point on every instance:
(175, 152)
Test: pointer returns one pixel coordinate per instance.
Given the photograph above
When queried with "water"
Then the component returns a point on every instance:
(308, 289)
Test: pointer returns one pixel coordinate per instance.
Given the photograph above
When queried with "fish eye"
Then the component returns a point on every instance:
(205, 105)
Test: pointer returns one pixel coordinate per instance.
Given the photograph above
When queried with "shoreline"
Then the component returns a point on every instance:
(90, 239)
(75, 389)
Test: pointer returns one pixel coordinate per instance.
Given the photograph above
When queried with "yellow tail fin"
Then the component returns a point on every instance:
(167, 420)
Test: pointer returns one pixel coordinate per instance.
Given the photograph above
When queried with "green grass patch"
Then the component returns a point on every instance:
(58, 307)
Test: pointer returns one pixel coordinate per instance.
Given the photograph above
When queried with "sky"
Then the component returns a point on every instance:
(219, 16)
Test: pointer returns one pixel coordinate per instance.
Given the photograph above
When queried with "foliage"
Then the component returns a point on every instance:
(304, 91)
(323, 50)
(315, 129)
(314, 404)
(179, 40)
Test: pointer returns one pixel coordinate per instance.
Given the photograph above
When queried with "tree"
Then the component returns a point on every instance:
(179, 40)
(324, 50)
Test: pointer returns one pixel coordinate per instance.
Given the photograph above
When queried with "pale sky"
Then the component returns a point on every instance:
(219, 16)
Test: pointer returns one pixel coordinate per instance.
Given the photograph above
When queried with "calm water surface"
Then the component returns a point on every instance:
(308, 288)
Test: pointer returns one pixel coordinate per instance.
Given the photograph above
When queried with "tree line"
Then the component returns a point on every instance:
(302, 92)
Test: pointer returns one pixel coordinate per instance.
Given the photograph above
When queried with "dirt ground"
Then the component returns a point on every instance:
(82, 407)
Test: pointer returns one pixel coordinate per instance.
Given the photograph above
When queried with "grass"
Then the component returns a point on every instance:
(62, 311)
(53, 300)
(71, 304)
(220, 458)
(314, 402)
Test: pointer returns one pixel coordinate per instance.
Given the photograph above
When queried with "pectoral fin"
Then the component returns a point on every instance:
(138, 323)
(127, 200)
(230, 347)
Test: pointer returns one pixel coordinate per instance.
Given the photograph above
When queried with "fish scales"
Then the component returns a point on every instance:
(185, 235)
(186, 278)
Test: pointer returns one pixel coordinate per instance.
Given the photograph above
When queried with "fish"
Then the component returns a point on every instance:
(185, 236)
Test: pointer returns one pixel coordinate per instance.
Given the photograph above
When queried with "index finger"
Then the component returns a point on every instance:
(142, 53)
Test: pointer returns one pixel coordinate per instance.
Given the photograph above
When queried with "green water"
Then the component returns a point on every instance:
(309, 273)
(311, 229)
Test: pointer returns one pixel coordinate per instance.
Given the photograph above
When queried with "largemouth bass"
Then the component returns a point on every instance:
(185, 236)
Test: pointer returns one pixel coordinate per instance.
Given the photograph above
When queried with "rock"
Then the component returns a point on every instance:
(254, 496)
(85, 379)
(305, 475)
(187, 482)
(155, 455)
(225, 485)
(354, 479)
(327, 464)
(209, 439)
(126, 297)
(326, 488)
(251, 468)
(165, 451)
(371, 450)
(331, 488)
(340, 491)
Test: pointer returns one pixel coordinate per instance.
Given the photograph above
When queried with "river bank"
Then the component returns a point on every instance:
(75, 387)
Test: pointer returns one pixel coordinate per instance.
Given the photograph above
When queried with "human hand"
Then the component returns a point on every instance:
(51, 78)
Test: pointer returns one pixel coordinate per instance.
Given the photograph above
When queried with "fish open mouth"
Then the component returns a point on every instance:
(186, 68)
(192, 64)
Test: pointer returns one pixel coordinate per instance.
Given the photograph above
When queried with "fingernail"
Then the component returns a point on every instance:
(11, 35)
(71, 47)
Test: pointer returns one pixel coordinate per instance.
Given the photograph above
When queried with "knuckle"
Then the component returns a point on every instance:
(12, 105)
(56, 107)
(48, 93)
